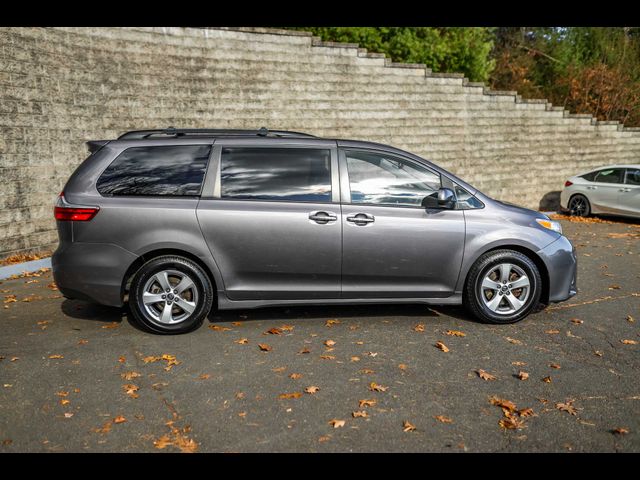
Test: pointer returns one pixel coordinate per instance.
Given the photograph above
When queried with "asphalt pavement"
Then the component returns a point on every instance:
(78, 377)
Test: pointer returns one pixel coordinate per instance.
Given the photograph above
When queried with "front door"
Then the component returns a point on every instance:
(392, 245)
(629, 199)
(605, 190)
(272, 221)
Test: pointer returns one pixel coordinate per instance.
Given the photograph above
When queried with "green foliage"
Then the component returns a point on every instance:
(442, 49)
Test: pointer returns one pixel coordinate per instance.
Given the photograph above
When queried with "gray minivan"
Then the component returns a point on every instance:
(177, 220)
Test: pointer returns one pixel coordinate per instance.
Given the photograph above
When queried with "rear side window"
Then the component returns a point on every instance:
(284, 174)
(589, 176)
(610, 175)
(176, 170)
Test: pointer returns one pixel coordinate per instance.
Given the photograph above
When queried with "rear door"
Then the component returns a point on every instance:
(605, 190)
(629, 198)
(270, 214)
(392, 245)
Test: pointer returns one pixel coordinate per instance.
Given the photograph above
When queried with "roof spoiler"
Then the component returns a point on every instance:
(95, 145)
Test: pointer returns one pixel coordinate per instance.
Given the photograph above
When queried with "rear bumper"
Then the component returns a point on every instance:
(562, 265)
(91, 271)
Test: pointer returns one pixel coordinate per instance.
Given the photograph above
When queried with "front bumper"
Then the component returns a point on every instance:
(91, 271)
(561, 261)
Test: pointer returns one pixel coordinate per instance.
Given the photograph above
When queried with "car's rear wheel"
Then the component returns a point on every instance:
(170, 294)
(579, 206)
(503, 286)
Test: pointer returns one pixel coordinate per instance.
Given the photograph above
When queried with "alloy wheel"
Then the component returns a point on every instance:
(505, 288)
(170, 297)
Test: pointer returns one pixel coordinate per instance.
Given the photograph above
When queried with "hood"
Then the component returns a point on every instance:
(527, 211)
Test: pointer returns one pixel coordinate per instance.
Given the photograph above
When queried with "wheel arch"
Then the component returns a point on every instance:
(582, 194)
(150, 255)
(535, 258)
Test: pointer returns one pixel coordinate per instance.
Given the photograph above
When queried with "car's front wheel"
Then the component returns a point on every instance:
(503, 286)
(579, 206)
(170, 294)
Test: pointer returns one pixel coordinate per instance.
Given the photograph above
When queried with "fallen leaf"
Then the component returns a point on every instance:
(629, 342)
(236, 324)
(408, 426)
(56, 356)
(106, 428)
(374, 387)
(555, 365)
(502, 403)
(327, 357)
(119, 419)
(239, 395)
(511, 423)
(523, 375)
(112, 325)
(614, 287)
(552, 332)
(285, 396)
(204, 376)
(620, 431)
(312, 389)
(485, 375)
(242, 414)
(68, 415)
(355, 359)
(577, 321)
(273, 331)
(567, 407)
(630, 319)
(278, 369)
(519, 364)
(419, 327)
(455, 333)
(598, 353)
(402, 366)
(329, 343)
(442, 346)
(13, 359)
(264, 347)
(324, 438)
(359, 414)
(131, 389)
(162, 442)
(372, 354)
(526, 412)
(130, 375)
(295, 376)
(330, 323)
(83, 342)
(367, 403)
(335, 423)
(64, 401)
(286, 328)
(122, 359)
(546, 379)
(218, 328)
(366, 371)
(304, 350)
(242, 341)
(443, 419)
(514, 341)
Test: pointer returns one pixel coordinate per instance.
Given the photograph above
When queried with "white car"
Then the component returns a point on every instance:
(613, 190)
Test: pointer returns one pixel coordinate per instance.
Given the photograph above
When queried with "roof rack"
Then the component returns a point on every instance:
(209, 132)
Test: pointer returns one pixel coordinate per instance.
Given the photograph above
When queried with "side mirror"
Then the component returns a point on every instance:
(446, 198)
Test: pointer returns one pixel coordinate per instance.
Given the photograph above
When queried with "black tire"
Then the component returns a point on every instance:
(579, 206)
(200, 293)
(484, 266)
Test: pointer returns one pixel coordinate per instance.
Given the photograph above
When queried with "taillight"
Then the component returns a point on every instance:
(64, 211)
(568, 183)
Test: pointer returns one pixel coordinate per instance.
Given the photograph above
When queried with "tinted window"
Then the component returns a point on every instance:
(466, 201)
(609, 175)
(170, 170)
(589, 176)
(286, 174)
(633, 176)
(388, 180)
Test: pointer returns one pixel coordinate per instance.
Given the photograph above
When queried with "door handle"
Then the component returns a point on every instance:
(591, 188)
(361, 219)
(322, 217)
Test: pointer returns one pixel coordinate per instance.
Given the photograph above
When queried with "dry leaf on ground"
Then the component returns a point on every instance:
(335, 423)
(131, 389)
(514, 341)
(360, 414)
(56, 356)
(577, 321)
(331, 322)
(443, 419)
(130, 375)
(408, 426)
(329, 343)
(523, 375)
(265, 347)
(546, 379)
(119, 419)
(555, 365)
(485, 375)
(367, 403)
(273, 331)
(304, 350)
(455, 333)
(629, 342)
(285, 396)
(567, 407)
(442, 346)
(552, 331)
(312, 389)
(295, 376)
(241, 341)
(419, 327)
(620, 431)
(374, 387)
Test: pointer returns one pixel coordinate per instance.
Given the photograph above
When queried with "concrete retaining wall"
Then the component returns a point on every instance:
(62, 86)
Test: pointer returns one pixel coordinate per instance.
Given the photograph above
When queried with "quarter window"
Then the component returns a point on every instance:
(160, 170)
(610, 175)
(284, 174)
(377, 178)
